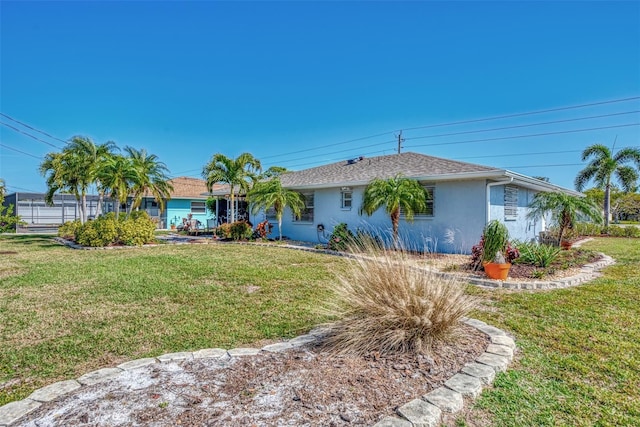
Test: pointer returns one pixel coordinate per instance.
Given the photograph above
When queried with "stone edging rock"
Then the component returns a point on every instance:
(429, 409)
(426, 411)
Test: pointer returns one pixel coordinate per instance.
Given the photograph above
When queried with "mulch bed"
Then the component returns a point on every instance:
(307, 387)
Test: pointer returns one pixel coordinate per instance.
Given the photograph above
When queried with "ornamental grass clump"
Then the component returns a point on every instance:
(386, 305)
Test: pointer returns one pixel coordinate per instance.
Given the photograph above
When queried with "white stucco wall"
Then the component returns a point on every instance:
(460, 214)
(521, 228)
(459, 217)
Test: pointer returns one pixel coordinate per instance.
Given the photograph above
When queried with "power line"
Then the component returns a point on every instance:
(28, 134)
(529, 113)
(525, 136)
(549, 110)
(527, 125)
(21, 188)
(329, 145)
(543, 166)
(19, 151)
(32, 128)
(518, 154)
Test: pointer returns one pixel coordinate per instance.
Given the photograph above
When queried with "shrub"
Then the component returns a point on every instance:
(69, 229)
(263, 229)
(9, 221)
(341, 237)
(223, 231)
(387, 306)
(138, 229)
(588, 229)
(536, 254)
(91, 232)
(240, 230)
(631, 231)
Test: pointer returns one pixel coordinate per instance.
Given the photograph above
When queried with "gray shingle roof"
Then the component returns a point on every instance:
(409, 164)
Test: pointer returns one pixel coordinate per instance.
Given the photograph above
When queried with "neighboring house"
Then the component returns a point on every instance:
(464, 197)
(189, 196)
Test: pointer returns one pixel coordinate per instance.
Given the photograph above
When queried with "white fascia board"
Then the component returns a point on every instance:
(493, 174)
(536, 184)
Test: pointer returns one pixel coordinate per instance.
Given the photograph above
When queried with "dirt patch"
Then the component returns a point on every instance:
(307, 386)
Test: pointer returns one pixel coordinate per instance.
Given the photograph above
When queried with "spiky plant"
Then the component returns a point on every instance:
(386, 305)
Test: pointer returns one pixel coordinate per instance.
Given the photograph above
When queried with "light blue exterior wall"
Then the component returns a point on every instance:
(460, 214)
(521, 228)
(177, 209)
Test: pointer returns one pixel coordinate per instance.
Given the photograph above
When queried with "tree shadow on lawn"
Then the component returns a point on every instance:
(40, 240)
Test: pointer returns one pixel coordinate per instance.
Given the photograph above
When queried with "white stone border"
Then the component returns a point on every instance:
(426, 411)
(429, 409)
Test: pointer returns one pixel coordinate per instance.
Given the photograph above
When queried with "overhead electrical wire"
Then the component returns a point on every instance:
(523, 126)
(32, 128)
(28, 134)
(20, 151)
(484, 119)
(525, 136)
(528, 113)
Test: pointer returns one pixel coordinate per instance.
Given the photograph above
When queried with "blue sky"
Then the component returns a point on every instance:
(300, 84)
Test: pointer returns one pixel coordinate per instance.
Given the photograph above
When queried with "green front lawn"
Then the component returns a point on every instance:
(66, 312)
(579, 361)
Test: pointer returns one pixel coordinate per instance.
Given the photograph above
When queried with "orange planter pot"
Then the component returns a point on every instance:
(497, 271)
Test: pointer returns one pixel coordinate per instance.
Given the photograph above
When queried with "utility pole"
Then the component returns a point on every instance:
(400, 140)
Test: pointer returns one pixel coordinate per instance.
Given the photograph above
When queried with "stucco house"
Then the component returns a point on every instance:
(189, 196)
(464, 197)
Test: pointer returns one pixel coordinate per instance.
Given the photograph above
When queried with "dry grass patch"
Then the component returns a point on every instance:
(385, 305)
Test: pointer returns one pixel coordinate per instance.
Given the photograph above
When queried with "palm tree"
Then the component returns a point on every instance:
(604, 166)
(71, 170)
(240, 172)
(397, 193)
(152, 178)
(118, 176)
(565, 209)
(267, 194)
(103, 153)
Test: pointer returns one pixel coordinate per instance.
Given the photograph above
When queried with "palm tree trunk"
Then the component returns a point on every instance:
(607, 204)
(395, 219)
(83, 208)
(233, 213)
(280, 226)
(100, 202)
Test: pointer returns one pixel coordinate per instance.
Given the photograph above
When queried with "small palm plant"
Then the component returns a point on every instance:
(565, 210)
(271, 194)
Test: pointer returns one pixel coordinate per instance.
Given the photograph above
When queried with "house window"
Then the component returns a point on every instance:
(429, 211)
(345, 199)
(306, 215)
(270, 213)
(510, 203)
(198, 207)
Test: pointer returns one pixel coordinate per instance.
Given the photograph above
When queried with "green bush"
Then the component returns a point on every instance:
(138, 229)
(69, 229)
(341, 238)
(536, 254)
(632, 231)
(9, 221)
(589, 229)
(240, 230)
(223, 231)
